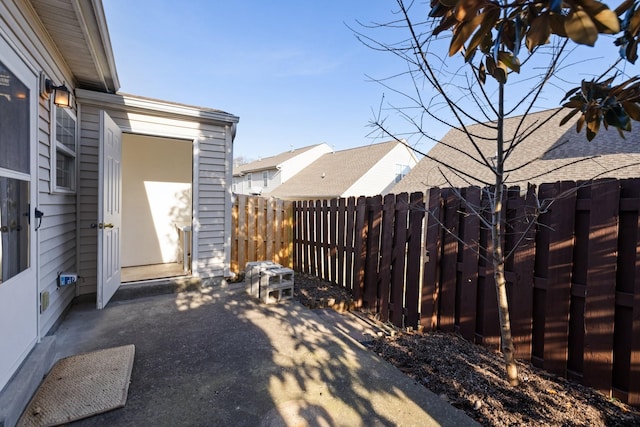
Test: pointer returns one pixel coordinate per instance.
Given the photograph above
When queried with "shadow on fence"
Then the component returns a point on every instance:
(573, 278)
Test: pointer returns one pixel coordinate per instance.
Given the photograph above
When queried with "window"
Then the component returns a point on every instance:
(249, 181)
(401, 171)
(14, 175)
(64, 151)
(265, 179)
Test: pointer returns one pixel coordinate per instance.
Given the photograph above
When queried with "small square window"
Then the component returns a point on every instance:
(64, 151)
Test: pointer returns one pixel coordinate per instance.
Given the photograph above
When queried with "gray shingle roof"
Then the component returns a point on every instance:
(333, 173)
(270, 162)
(546, 156)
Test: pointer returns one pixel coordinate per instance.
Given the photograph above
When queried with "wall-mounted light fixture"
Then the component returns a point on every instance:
(61, 94)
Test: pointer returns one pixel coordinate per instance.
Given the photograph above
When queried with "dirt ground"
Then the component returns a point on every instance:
(471, 377)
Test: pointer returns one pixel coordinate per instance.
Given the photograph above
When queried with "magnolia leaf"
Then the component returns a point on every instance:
(632, 109)
(449, 3)
(569, 116)
(590, 134)
(446, 23)
(500, 72)
(570, 93)
(624, 6)
(438, 11)
(594, 125)
(634, 23)
(509, 60)
(463, 32)
(631, 51)
(574, 103)
(491, 17)
(605, 19)
(580, 123)
(556, 22)
(482, 73)
(580, 28)
(539, 32)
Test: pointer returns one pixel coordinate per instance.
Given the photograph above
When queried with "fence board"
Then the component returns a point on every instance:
(470, 252)
(349, 273)
(251, 229)
(270, 225)
(305, 238)
(414, 257)
(449, 272)
(601, 279)
(488, 319)
(374, 221)
(360, 249)
(341, 213)
(333, 240)
(398, 260)
(632, 278)
(325, 240)
(430, 277)
(520, 289)
(386, 252)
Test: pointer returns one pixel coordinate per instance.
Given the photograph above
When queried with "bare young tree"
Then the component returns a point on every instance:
(479, 62)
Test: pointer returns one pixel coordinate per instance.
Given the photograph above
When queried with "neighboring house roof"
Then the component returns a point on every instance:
(334, 173)
(553, 153)
(271, 162)
(79, 30)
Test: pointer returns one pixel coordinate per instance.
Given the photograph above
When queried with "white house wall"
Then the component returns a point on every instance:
(156, 195)
(57, 236)
(212, 151)
(381, 177)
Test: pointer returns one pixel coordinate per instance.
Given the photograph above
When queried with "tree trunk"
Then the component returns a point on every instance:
(497, 234)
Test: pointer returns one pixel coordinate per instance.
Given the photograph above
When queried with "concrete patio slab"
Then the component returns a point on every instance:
(217, 357)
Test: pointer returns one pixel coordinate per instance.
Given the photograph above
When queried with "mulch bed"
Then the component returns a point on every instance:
(471, 377)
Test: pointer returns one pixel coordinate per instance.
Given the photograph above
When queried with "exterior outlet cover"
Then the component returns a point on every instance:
(44, 301)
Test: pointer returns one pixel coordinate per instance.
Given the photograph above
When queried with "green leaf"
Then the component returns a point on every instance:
(539, 32)
(580, 28)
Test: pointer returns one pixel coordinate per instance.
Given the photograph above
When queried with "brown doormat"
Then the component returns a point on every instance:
(81, 386)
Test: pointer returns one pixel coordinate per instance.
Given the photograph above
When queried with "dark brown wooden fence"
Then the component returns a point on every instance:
(573, 278)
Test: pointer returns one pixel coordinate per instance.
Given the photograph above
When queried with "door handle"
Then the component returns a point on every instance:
(101, 225)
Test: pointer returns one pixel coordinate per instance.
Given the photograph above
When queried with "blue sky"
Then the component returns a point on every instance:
(292, 71)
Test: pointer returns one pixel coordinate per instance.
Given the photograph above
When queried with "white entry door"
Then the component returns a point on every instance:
(109, 209)
(18, 235)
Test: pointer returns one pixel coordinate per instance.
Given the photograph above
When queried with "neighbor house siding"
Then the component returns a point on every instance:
(57, 235)
(381, 177)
